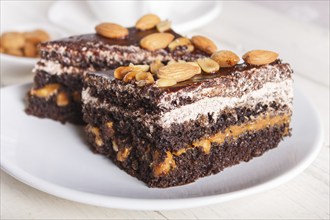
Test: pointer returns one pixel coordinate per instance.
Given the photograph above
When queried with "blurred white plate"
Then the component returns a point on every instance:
(77, 17)
(54, 158)
(54, 33)
(15, 69)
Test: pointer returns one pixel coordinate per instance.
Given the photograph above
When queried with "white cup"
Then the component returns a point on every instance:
(126, 13)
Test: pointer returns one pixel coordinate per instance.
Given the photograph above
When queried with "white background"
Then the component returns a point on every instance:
(299, 31)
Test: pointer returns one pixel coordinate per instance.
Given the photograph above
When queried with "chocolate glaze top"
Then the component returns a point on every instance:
(133, 38)
(76, 43)
(196, 80)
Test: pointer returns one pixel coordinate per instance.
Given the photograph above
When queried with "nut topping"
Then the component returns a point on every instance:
(147, 22)
(163, 26)
(130, 76)
(155, 65)
(165, 82)
(181, 41)
(111, 30)
(204, 44)
(145, 76)
(121, 71)
(208, 65)
(178, 71)
(156, 41)
(260, 57)
(144, 68)
(225, 58)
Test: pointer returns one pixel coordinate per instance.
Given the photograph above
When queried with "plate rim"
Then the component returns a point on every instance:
(170, 203)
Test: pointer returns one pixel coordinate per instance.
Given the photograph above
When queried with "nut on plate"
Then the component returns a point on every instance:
(22, 43)
(111, 30)
(147, 22)
(204, 44)
(225, 58)
(156, 41)
(260, 57)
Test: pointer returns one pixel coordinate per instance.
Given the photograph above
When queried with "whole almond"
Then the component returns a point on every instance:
(163, 26)
(208, 65)
(36, 36)
(147, 22)
(260, 57)
(12, 40)
(156, 41)
(111, 30)
(181, 41)
(204, 44)
(225, 58)
(165, 82)
(178, 71)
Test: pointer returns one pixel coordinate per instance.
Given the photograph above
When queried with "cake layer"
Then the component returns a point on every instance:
(231, 83)
(176, 136)
(56, 102)
(176, 126)
(188, 123)
(56, 97)
(159, 168)
(93, 50)
(65, 61)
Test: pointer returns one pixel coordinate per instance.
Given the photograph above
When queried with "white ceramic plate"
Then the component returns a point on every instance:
(55, 159)
(77, 17)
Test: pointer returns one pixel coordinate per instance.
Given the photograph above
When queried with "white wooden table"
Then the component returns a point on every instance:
(243, 26)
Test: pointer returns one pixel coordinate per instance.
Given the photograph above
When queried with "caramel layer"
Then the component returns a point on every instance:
(233, 132)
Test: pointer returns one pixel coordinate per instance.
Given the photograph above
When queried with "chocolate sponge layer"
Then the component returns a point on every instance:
(194, 163)
(178, 135)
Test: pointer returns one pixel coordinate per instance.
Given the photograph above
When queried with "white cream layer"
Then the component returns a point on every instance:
(55, 68)
(281, 93)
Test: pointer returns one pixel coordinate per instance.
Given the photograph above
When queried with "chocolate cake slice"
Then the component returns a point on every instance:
(187, 120)
(58, 81)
